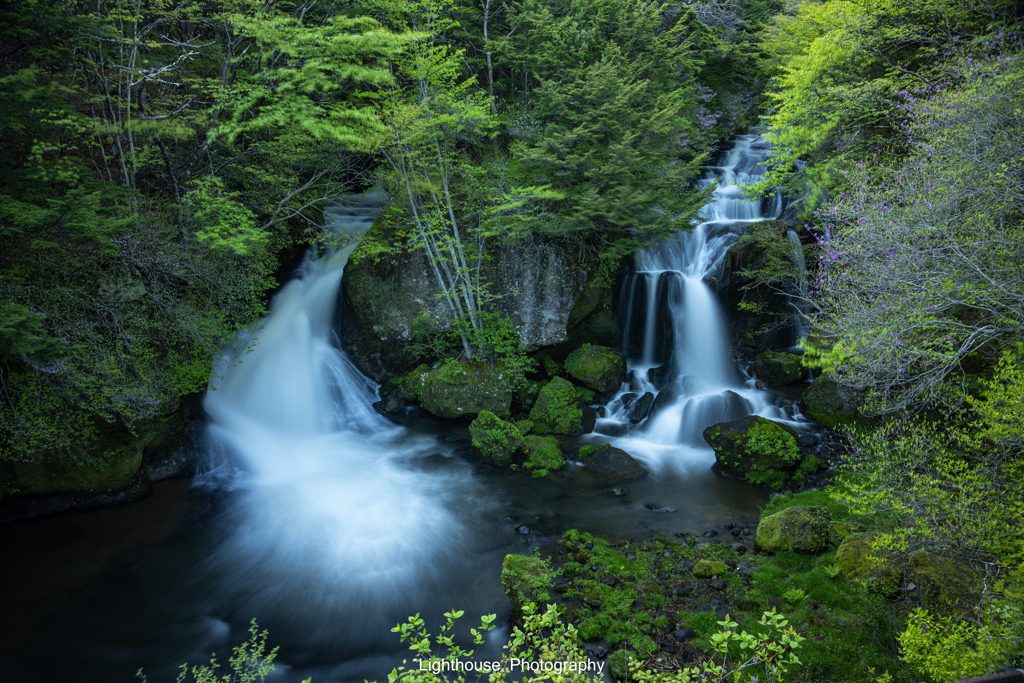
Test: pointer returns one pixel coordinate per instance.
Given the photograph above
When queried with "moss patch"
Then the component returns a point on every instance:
(542, 454)
(497, 440)
(800, 529)
(558, 409)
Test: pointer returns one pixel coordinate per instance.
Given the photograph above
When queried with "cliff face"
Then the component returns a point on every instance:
(545, 286)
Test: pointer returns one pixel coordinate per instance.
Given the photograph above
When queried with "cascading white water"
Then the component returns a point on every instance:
(325, 500)
(800, 295)
(683, 355)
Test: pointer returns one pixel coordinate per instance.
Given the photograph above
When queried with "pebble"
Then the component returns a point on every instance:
(710, 534)
(523, 529)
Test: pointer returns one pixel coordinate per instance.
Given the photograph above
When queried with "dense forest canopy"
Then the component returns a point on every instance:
(161, 160)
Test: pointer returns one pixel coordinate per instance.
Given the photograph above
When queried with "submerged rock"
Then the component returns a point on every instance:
(497, 440)
(799, 529)
(465, 389)
(542, 453)
(779, 368)
(597, 367)
(609, 462)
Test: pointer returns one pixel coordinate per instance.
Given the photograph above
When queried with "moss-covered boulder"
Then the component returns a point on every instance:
(833, 404)
(543, 454)
(754, 448)
(610, 463)
(705, 569)
(945, 584)
(404, 389)
(597, 367)
(526, 393)
(799, 529)
(779, 368)
(525, 579)
(559, 409)
(876, 571)
(497, 440)
(465, 389)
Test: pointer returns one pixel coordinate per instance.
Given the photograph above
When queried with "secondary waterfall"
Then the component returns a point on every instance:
(328, 511)
(682, 377)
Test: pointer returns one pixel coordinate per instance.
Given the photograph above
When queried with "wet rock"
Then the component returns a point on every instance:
(609, 462)
(642, 407)
(597, 367)
(465, 389)
(799, 529)
(739, 547)
(779, 368)
(717, 584)
(807, 440)
(754, 448)
(523, 530)
(665, 398)
(619, 491)
(560, 410)
(710, 534)
(658, 375)
(628, 398)
(684, 634)
(497, 440)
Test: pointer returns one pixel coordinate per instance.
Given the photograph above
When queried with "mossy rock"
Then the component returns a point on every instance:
(406, 388)
(799, 529)
(833, 404)
(779, 368)
(542, 453)
(705, 569)
(524, 579)
(945, 584)
(754, 448)
(610, 463)
(497, 440)
(879, 575)
(524, 426)
(526, 393)
(558, 409)
(465, 389)
(598, 367)
(550, 366)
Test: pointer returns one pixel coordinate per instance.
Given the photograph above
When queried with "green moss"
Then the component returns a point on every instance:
(705, 569)
(801, 529)
(497, 440)
(542, 454)
(945, 584)
(585, 394)
(757, 449)
(551, 366)
(820, 498)
(779, 368)
(525, 579)
(464, 389)
(589, 449)
(558, 409)
(598, 367)
(876, 572)
(524, 426)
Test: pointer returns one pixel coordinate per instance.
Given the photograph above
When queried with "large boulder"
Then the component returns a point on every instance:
(559, 409)
(465, 389)
(597, 367)
(945, 584)
(779, 368)
(524, 579)
(754, 448)
(876, 571)
(610, 463)
(497, 440)
(799, 529)
(543, 454)
(833, 404)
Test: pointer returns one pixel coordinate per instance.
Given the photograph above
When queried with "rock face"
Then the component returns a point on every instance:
(559, 409)
(800, 529)
(610, 463)
(543, 282)
(832, 404)
(744, 448)
(855, 564)
(524, 579)
(465, 389)
(497, 440)
(542, 454)
(597, 367)
(779, 368)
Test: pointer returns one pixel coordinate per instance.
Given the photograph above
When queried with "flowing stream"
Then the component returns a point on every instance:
(329, 523)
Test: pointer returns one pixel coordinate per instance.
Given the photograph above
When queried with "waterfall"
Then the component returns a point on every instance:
(683, 354)
(324, 497)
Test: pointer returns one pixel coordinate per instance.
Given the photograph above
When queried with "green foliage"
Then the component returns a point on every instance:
(249, 663)
(943, 649)
(767, 439)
